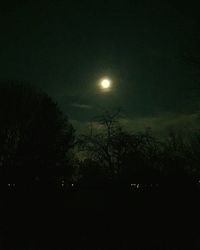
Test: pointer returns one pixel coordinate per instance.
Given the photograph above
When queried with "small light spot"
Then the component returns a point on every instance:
(133, 185)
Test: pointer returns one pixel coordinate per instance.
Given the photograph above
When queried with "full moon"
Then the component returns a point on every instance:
(105, 84)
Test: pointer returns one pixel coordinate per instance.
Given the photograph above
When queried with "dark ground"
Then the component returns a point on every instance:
(100, 218)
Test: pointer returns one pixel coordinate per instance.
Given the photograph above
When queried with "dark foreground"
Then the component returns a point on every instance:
(100, 218)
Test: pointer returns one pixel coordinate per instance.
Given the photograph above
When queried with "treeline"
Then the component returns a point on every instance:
(117, 156)
(39, 145)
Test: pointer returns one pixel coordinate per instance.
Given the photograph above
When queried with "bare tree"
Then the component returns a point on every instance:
(119, 151)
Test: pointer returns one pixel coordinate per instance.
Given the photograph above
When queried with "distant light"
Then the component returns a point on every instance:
(72, 184)
(133, 185)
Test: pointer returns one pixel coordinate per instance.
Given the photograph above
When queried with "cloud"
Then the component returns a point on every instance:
(162, 123)
(81, 106)
(159, 124)
(84, 127)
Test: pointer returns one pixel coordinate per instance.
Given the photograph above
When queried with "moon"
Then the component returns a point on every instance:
(105, 84)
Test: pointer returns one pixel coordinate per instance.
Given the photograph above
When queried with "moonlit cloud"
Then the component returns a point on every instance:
(159, 124)
(162, 123)
(81, 106)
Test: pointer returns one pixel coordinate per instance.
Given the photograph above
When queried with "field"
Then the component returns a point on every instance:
(100, 218)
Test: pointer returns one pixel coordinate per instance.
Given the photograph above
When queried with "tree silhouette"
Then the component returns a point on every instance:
(142, 163)
(115, 154)
(176, 158)
(99, 147)
(123, 156)
(35, 137)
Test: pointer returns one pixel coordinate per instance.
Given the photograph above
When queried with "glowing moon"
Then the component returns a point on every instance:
(105, 84)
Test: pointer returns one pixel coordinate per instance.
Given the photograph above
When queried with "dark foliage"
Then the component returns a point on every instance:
(35, 137)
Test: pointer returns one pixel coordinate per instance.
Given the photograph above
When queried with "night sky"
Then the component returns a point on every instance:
(65, 47)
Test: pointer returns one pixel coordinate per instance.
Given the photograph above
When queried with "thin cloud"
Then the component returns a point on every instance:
(159, 124)
(81, 106)
(162, 123)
